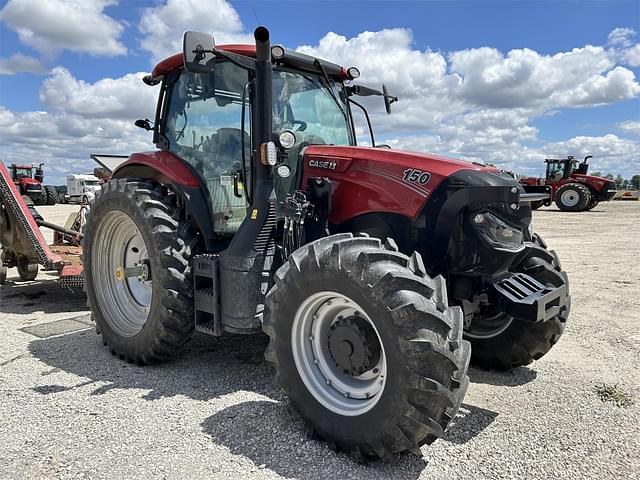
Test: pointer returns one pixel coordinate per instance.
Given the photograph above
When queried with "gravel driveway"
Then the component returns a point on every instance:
(68, 409)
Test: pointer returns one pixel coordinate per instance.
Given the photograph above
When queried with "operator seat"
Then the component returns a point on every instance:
(225, 149)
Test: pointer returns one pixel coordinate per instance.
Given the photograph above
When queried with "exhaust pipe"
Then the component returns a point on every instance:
(249, 255)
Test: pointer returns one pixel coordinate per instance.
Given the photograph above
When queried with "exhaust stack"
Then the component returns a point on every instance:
(250, 253)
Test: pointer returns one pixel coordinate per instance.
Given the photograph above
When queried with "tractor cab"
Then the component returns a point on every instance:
(19, 172)
(563, 169)
(207, 116)
(559, 169)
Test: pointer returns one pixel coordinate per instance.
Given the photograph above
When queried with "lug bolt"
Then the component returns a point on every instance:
(347, 395)
(514, 206)
(328, 382)
(311, 338)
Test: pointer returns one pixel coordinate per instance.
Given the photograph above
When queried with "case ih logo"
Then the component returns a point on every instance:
(329, 165)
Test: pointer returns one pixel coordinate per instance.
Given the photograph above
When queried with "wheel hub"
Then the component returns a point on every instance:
(353, 345)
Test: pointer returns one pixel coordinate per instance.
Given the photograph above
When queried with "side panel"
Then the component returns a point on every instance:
(368, 180)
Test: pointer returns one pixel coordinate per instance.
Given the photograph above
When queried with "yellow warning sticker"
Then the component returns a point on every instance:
(254, 214)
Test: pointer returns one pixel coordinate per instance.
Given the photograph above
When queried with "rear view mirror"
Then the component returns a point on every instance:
(198, 50)
(388, 99)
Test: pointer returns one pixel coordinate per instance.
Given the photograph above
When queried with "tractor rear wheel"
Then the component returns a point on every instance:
(27, 271)
(137, 271)
(50, 194)
(365, 345)
(573, 197)
(498, 341)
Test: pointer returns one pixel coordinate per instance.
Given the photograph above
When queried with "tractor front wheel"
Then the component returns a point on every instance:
(137, 271)
(365, 345)
(500, 342)
(573, 197)
(50, 194)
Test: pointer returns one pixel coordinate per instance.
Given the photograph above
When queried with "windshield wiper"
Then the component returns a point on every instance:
(328, 87)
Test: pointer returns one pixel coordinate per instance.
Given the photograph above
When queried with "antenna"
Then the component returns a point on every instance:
(254, 13)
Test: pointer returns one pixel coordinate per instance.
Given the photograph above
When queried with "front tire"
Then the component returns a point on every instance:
(573, 197)
(50, 194)
(134, 225)
(27, 271)
(365, 345)
(501, 343)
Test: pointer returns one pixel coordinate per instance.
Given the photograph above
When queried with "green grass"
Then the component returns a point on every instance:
(613, 393)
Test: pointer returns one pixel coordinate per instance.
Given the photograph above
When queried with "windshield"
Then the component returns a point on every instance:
(308, 104)
(23, 172)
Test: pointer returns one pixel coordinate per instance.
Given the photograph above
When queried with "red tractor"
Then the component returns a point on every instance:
(28, 179)
(571, 188)
(377, 274)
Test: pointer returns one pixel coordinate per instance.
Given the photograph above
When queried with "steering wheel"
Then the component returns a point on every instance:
(303, 125)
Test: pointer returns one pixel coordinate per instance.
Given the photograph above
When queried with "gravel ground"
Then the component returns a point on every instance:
(68, 409)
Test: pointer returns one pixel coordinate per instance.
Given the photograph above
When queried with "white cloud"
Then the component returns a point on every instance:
(632, 55)
(76, 25)
(82, 118)
(19, 63)
(122, 98)
(478, 104)
(164, 25)
(621, 37)
(630, 126)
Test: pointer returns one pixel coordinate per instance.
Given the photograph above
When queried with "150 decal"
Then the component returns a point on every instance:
(416, 176)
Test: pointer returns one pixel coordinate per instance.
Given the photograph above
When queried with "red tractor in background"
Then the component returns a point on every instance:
(571, 188)
(29, 181)
(377, 274)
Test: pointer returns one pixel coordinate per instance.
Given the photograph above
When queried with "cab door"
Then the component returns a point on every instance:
(203, 125)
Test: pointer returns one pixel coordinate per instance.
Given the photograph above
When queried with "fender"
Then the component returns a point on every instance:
(168, 169)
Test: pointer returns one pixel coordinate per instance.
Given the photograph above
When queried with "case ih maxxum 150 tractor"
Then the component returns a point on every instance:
(377, 274)
(570, 186)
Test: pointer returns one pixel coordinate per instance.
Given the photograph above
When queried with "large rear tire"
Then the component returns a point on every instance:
(498, 341)
(593, 203)
(573, 197)
(145, 316)
(365, 345)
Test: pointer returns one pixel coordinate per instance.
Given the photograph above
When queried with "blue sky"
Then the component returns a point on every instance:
(597, 113)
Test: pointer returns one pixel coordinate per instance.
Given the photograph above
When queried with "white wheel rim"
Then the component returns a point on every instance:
(570, 198)
(337, 391)
(124, 301)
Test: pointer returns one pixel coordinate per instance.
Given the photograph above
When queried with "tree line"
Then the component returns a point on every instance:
(621, 183)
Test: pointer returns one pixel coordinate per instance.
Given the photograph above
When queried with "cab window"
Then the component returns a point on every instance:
(203, 127)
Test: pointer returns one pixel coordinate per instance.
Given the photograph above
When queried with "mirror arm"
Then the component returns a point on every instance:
(366, 115)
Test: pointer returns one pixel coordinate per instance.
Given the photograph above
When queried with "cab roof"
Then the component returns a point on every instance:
(176, 61)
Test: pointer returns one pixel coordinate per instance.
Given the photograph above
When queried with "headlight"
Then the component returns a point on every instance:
(497, 233)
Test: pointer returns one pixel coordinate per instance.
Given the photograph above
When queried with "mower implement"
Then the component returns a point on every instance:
(377, 274)
(23, 245)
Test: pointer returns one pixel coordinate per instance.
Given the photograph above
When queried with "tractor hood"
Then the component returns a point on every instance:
(29, 181)
(368, 180)
(343, 156)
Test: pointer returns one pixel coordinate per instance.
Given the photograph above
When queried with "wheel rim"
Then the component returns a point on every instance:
(484, 327)
(570, 198)
(124, 301)
(328, 330)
